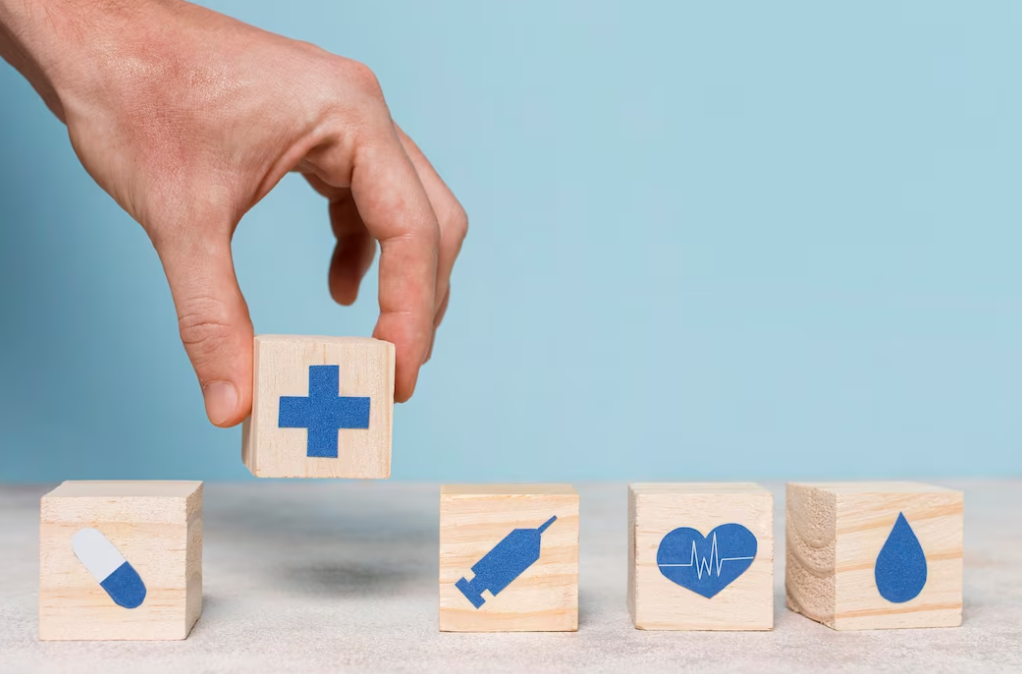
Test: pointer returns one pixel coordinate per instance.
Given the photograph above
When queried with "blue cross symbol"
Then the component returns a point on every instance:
(323, 412)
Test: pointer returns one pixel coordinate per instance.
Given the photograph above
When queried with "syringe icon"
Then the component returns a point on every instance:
(506, 561)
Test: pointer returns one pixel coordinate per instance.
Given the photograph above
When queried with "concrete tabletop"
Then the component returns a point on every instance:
(316, 576)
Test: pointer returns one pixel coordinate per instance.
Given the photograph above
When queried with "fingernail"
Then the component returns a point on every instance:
(221, 401)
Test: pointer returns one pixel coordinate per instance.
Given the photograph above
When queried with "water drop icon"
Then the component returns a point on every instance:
(900, 570)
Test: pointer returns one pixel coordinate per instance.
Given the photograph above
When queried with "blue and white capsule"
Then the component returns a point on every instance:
(106, 564)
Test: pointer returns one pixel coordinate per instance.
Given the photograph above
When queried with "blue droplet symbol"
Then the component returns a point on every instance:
(901, 565)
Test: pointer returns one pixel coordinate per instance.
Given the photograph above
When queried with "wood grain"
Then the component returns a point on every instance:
(282, 369)
(834, 533)
(656, 603)
(475, 518)
(155, 525)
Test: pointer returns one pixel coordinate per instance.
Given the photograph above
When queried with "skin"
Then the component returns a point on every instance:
(187, 118)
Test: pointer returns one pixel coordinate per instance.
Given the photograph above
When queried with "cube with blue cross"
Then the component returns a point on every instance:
(321, 407)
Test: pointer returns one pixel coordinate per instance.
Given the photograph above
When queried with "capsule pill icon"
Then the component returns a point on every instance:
(108, 566)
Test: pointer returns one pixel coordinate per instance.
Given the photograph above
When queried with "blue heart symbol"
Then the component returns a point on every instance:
(706, 564)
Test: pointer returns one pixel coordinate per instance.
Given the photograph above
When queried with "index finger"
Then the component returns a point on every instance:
(396, 211)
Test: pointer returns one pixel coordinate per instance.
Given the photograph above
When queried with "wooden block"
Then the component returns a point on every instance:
(143, 539)
(874, 555)
(700, 556)
(342, 429)
(508, 558)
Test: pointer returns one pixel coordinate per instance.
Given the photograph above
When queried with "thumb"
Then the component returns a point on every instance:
(215, 326)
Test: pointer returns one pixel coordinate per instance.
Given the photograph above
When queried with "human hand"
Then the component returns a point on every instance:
(187, 118)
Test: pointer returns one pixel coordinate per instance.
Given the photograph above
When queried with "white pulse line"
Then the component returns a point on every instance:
(706, 563)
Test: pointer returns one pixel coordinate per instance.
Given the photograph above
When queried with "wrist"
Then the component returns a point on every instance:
(64, 47)
(21, 47)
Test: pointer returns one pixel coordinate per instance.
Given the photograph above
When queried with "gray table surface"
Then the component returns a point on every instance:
(319, 576)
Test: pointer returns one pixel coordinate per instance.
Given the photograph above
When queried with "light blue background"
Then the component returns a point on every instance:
(709, 240)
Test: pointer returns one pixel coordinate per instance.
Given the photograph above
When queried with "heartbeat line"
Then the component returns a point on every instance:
(706, 564)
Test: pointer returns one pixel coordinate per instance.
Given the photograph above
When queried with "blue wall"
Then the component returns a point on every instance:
(778, 240)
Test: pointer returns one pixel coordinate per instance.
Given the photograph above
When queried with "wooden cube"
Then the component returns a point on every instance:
(120, 560)
(875, 555)
(700, 556)
(508, 558)
(321, 407)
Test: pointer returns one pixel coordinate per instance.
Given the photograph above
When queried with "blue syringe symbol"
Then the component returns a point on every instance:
(506, 561)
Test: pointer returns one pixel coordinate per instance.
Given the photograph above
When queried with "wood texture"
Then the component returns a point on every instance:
(155, 525)
(474, 519)
(282, 369)
(656, 603)
(834, 533)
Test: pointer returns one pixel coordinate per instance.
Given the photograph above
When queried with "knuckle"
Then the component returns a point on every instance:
(363, 78)
(204, 328)
(457, 221)
(311, 48)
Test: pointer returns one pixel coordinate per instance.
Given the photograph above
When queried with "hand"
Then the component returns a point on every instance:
(187, 118)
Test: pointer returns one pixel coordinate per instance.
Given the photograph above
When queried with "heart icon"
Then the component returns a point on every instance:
(706, 564)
